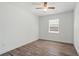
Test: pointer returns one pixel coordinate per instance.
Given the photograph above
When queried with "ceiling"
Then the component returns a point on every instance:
(60, 7)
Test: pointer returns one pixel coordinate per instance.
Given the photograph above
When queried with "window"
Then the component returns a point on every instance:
(54, 26)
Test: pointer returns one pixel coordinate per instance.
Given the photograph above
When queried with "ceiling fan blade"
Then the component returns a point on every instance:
(39, 8)
(51, 7)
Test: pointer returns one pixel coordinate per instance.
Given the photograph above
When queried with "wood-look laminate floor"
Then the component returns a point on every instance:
(43, 48)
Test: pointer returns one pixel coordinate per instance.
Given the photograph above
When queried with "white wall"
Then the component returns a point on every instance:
(18, 26)
(65, 27)
(76, 28)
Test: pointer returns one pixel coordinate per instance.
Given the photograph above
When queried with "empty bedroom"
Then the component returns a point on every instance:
(39, 28)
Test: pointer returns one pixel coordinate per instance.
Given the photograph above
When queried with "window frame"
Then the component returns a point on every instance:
(57, 26)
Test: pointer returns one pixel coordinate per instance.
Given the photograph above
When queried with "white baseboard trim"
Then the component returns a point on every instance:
(76, 49)
(2, 51)
(55, 40)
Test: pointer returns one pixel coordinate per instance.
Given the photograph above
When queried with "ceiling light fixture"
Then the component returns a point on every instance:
(45, 9)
